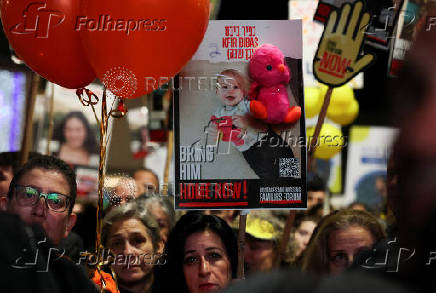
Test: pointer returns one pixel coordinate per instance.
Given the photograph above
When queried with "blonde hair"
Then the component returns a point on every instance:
(240, 79)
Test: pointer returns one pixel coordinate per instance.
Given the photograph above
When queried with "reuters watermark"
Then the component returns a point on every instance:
(179, 83)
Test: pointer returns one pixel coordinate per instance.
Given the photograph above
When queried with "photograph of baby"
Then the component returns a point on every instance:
(219, 111)
(239, 119)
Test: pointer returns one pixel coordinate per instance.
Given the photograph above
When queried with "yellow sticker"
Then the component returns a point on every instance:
(338, 58)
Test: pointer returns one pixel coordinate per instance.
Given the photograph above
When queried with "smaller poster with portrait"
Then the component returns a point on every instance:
(76, 139)
(75, 133)
(225, 157)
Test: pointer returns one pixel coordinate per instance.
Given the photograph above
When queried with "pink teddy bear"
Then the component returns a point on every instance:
(270, 78)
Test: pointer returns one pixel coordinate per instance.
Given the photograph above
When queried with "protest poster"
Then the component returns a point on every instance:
(415, 16)
(368, 153)
(384, 16)
(75, 134)
(224, 157)
(312, 32)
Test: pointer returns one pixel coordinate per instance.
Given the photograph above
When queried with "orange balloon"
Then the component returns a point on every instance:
(135, 46)
(43, 36)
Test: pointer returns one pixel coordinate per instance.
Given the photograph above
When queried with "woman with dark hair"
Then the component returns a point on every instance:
(77, 142)
(301, 233)
(201, 255)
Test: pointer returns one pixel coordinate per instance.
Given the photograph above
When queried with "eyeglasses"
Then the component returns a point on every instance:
(116, 200)
(29, 196)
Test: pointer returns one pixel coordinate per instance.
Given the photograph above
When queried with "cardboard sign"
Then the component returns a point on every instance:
(224, 157)
(384, 16)
(312, 32)
(338, 58)
(368, 153)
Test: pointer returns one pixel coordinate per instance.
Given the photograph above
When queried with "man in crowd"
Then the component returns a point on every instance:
(41, 195)
(315, 190)
(44, 192)
(9, 165)
(146, 181)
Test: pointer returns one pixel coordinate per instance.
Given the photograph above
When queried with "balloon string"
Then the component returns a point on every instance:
(88, 101)
(313, 144)
(88, 98)
(103, 133)
(114, 276)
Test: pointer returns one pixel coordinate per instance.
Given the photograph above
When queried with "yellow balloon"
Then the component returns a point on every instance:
(330, 141)
(322, 90)
(341, 96)
(344, 115)
(312, 101)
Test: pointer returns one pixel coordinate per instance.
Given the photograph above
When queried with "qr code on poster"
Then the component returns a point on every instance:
(288, 167)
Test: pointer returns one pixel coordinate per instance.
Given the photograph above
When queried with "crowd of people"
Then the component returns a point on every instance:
(151, 248)
(148, 247)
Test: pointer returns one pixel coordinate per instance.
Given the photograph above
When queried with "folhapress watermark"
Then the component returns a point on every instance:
(41, 257)
(38, 20)
(109, 258)
(105, 23)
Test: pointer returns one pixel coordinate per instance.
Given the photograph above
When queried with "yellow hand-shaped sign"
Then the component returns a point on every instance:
(338, 59)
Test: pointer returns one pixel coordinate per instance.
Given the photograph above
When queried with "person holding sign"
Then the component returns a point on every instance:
(339, 56)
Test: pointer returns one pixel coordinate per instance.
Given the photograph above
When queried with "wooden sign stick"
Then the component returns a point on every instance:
(285, 237)
(241, 243)
(319, 123)
(313, 144)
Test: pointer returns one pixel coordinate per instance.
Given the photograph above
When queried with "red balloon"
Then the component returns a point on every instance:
(135, 45)
(42, 34)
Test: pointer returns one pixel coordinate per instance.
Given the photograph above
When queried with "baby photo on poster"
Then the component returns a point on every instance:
(239, 119)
